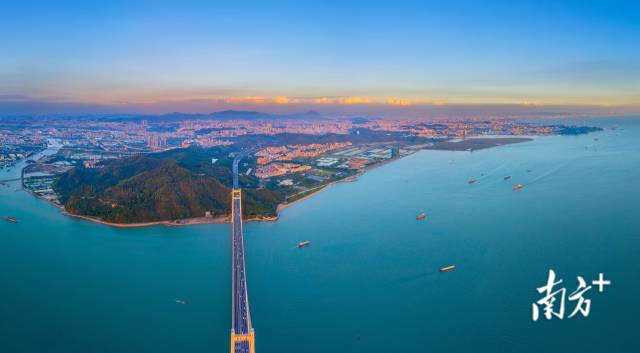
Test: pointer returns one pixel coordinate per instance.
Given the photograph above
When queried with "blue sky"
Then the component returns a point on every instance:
(192, 55)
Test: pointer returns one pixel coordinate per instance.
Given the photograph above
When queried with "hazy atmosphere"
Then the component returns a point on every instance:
(336, 57)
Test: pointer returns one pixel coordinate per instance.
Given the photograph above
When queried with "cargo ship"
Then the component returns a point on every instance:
(11, 219)
(471, 181)
(304, 243)
(517, 187)
(448, 268)
(421, 216)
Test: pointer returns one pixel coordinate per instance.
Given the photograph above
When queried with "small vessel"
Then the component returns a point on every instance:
(11, 219)
(421, 216)
(517, 187)
(304, 243)
(507, 177)
(471, 181)
(448, 268)
(529, 170)
(180, 301)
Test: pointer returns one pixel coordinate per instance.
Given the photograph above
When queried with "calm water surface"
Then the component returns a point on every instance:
(370, 280)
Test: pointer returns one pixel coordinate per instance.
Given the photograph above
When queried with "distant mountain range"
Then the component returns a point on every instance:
(222, 115)
(240, 114)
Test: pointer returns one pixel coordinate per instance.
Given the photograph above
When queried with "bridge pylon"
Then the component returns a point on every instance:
(243, 338)
(236, 194)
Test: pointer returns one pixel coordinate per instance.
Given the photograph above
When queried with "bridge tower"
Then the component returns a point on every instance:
(249, 338)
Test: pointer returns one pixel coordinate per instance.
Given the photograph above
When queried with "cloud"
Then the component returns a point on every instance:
(339, 100)
(282, 100)
(355, 100)
(253, 100)
(399, 101)
(335, 100)
(328, 105)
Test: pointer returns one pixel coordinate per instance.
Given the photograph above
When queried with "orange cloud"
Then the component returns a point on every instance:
(323, 100)
(399, 101)
(342, 100)
(282, 100)
(355, 100)
(249, 99)
(438, 102)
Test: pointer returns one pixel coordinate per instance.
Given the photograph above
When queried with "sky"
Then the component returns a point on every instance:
(335, 56)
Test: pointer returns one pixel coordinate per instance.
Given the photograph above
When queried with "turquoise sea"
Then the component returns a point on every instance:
(370, 280)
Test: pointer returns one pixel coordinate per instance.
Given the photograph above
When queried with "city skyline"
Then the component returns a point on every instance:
(406, 59)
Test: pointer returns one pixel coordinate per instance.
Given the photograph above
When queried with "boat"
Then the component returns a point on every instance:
(180, 301)
(507, 177)
(304, 243)
(448, 268)
(517, 187)
(471, 181)
(421, 216)
(11, 219)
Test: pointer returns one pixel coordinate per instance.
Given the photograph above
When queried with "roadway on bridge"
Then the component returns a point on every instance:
(241, 318)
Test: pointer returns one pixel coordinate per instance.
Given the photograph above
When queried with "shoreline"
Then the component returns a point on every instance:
(349, 179)
(281, 207)
(218, 220)
(182, 222)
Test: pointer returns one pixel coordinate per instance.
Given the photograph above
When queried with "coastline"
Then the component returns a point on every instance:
(349, 179)
(182, 222)
(179, 223)
(224, 219)
(279, 209)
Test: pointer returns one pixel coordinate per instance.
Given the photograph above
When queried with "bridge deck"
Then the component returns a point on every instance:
(242, 335)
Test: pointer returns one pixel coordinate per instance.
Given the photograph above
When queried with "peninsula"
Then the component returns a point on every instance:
(176, 169)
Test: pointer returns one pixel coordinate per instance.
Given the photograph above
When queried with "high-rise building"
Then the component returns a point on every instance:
(156, 142)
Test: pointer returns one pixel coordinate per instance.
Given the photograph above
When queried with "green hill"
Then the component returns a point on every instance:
(156, 188)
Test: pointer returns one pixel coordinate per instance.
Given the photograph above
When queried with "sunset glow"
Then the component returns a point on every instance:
(143, 56)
